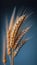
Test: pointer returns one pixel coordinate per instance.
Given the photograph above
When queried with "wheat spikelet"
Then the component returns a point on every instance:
(8, 44)
(20, 36)
(15, 29)
(17, 18)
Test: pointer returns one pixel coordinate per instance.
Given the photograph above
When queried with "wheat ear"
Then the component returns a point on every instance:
(9, 32)
(20, 45)
(20, 36)
(15, 29)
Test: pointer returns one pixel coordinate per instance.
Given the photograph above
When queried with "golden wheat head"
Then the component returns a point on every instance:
(15, 29)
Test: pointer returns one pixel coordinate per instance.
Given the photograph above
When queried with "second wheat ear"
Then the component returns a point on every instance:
(20, 36)
(19, 46)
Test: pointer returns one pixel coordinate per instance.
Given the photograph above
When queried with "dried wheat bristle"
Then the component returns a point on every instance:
(12, 20)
